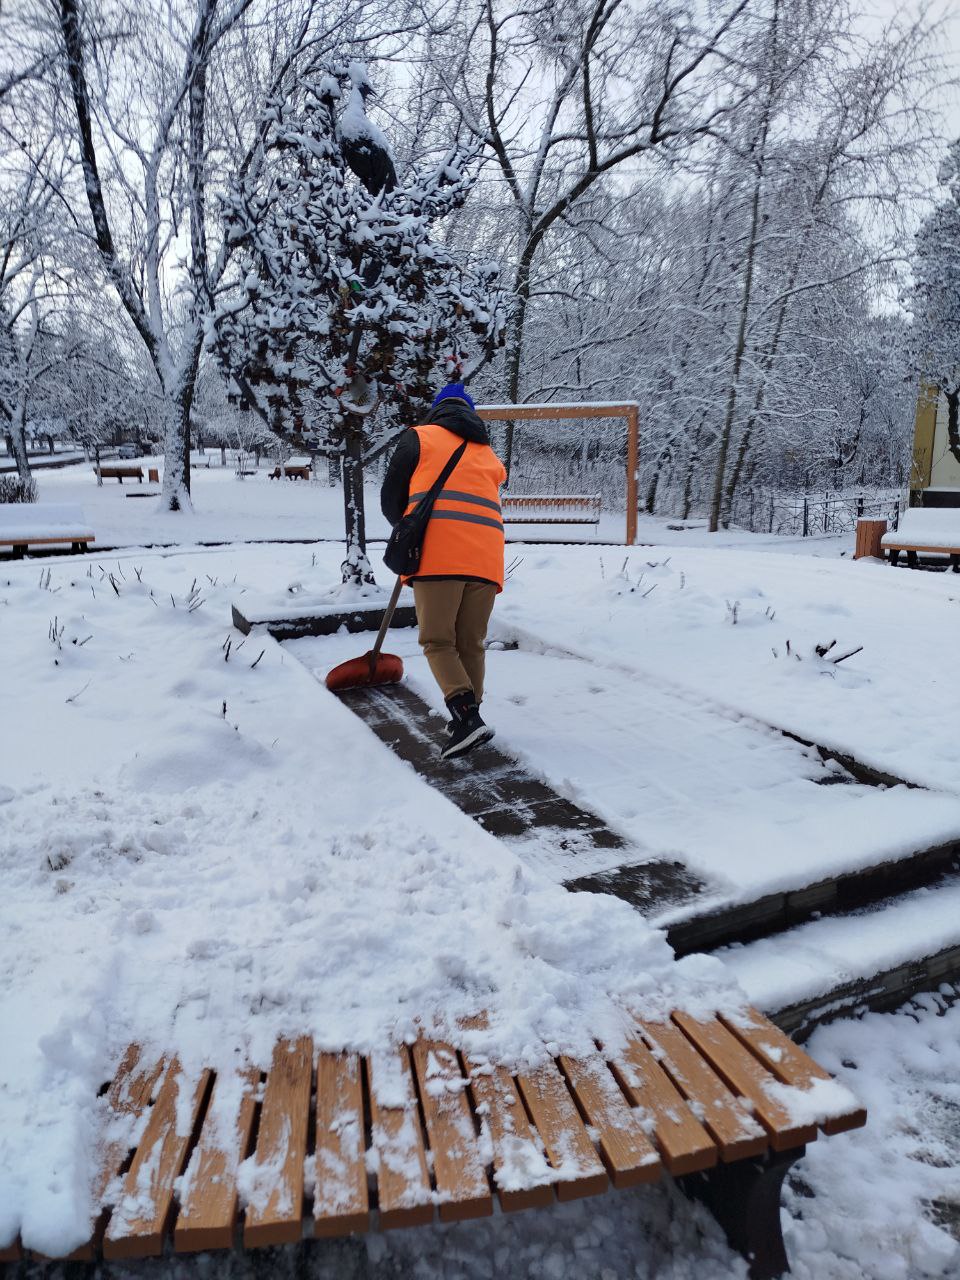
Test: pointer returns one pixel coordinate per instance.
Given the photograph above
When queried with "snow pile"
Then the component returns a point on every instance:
(933, 527)
(880, 1190)
(718, 624)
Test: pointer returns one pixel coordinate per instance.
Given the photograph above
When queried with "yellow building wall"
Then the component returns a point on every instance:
(934, 466)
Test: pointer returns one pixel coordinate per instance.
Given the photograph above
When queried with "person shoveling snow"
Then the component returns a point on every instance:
(461, 563)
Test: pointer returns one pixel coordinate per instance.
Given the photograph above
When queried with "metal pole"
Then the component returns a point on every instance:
(806, 518)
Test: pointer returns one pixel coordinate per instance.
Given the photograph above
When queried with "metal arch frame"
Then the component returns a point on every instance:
(630, 410)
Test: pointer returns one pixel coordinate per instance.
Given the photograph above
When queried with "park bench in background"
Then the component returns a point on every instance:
(298, 470)
(113, 471)
(725, 1105)
(25, 525)
(931, 530)
(550, 508)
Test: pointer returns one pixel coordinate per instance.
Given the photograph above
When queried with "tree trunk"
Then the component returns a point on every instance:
(738, 354)
(515, 354)
(953, 421)
(663, 457)
(176, 451)
(356, 566)
(692, 461)
(18, 440)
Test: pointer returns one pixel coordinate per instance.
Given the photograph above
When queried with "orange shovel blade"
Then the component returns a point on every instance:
(357, 673)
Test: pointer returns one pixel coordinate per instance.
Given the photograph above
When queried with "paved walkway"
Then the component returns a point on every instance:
(513, 804)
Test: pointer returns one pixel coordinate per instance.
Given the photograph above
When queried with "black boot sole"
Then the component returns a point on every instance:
(479, 736)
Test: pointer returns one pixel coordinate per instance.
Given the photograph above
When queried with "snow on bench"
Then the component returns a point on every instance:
(396, 1132)
(934, 529)
(550, 508)
(24, 524)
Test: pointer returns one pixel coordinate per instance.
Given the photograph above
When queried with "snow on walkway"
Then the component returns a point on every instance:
(748, 809)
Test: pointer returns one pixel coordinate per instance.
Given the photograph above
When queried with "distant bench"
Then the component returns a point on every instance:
(550, 508)
(292, 470)
(930, 529)
(119, 473)
(25, 525)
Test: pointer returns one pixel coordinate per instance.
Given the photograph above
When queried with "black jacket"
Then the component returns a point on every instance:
(395, 491)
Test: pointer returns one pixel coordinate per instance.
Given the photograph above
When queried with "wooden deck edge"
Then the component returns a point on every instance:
(834, 895)
(327, 624)
(882, 992)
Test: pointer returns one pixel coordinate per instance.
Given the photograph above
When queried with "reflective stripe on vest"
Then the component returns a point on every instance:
(464, 537)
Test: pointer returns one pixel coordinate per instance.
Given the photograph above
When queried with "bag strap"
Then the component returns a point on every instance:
(433, 492)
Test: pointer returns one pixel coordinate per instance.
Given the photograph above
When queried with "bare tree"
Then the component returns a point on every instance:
(166, 106)
(621, 82)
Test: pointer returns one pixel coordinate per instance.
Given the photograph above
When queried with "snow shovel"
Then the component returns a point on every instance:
(374, 668)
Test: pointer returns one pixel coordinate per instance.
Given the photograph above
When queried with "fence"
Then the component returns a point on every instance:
(813, 515)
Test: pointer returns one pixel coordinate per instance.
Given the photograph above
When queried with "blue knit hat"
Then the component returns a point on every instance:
(453, 391)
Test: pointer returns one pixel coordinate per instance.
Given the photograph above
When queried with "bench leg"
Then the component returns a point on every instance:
(955, 562)
(911, 559)
(744, 1197)
(894, 556)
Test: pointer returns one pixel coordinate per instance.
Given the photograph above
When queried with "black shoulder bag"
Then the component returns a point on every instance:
(402, 555)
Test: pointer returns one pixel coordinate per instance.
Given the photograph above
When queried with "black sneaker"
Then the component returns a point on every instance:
(468, 730)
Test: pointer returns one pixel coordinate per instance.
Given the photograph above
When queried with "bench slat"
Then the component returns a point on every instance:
(129, 1093)
(729, 1123)
(788, 1062)
(462, 1187)
(141, 1215)
(341, 1201)
(684, 1144)
(744, 1073)
(406, 1198)
(627, 1152)
(569, 1148)
(278, 1161)
(210, 1206)
(516, 1155)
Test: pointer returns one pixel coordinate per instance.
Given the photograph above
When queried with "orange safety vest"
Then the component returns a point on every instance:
(464, 536)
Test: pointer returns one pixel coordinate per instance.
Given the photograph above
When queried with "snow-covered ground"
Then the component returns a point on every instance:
(199, 846)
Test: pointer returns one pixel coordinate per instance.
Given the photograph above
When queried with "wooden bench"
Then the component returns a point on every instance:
(933, 530)
(293, 471)
(550, 508)
(28, 524)
(333, 1144)
(114, 472)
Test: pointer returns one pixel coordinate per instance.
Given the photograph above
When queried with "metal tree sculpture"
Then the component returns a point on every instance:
(343, 304)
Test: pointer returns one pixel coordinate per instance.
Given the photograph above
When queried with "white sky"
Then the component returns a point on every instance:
(949, 13)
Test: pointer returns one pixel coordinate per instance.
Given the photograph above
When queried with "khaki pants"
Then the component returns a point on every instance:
(453, 616)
